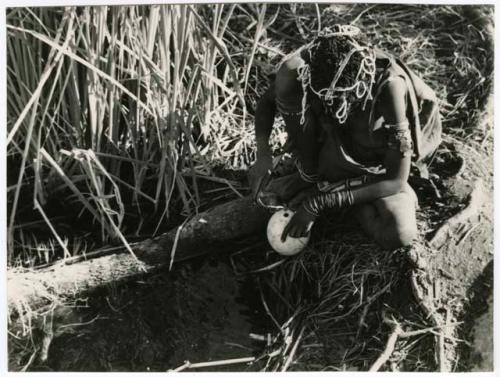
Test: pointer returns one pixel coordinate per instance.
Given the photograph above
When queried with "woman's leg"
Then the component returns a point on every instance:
(390, 221)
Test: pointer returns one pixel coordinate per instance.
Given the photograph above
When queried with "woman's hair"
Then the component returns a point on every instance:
(340, 69)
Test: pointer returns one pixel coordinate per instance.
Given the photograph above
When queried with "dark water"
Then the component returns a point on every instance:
(201, 311)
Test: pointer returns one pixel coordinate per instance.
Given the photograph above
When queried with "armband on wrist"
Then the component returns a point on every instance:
(335, 200)
(399, 125)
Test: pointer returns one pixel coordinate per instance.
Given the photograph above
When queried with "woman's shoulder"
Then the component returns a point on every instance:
(389, 83)
(393, 86)
(290, 64)
(286, 81)
(394, 67)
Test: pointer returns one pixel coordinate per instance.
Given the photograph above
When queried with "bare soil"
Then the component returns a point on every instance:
(453, 278)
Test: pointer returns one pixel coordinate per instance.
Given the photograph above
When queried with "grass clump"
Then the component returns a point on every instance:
(330, 305)
(113, 114)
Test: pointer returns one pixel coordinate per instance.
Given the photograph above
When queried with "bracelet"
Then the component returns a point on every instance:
(348, 183)
(337, 199)
(308, 210)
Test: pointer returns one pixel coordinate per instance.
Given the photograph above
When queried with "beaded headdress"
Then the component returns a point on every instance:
(333, 96)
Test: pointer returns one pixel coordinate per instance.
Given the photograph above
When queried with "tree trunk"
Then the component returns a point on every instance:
(206, 232)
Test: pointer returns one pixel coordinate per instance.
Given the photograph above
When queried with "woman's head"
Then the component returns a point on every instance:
(339, 69)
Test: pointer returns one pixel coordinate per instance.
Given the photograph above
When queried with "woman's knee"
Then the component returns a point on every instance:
(395, 236)
(398, 223)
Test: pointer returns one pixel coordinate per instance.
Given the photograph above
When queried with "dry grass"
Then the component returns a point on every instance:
(329, 303)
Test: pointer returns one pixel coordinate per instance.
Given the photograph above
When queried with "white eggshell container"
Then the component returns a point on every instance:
(275, 227)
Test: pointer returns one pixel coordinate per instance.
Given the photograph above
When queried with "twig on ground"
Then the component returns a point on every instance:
(362, 13)
(467, 234)
(238, 346)
(30, 361)
(364, 313)
(408, 334)
(476, 200)
(176, 240)
(389, 348)
(267, 268)
(266, 307)
(258, 337)
(430, 309)
(288, 338)
(442, 356)
(82, 323)
(48, 336)
(399, 333)
(445, 355)
(117, 310)
(293, 351)
(189, 365)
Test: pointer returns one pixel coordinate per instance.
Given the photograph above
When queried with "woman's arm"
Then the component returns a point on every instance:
(264, 120)
(397, 160)
(397, 164)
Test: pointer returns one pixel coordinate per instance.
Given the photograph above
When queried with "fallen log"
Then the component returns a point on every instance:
(32, 290)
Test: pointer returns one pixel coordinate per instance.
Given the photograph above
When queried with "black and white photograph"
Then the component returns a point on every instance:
(248, 187)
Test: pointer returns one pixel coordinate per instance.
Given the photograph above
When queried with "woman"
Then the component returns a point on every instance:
(356, 118)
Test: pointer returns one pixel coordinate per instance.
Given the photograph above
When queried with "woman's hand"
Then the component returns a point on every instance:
(258, 173)
(297, 200)
(299, 225)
